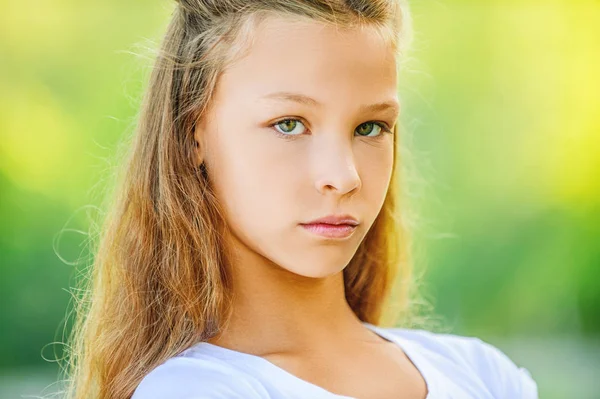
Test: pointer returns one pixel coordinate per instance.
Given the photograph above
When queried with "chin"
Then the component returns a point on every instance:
(315, 270)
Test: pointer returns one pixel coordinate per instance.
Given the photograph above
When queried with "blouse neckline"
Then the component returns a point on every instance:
(261, 363)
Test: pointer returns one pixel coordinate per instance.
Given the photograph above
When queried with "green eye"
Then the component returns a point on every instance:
(292, 128)
(288, 126)
(367, 128)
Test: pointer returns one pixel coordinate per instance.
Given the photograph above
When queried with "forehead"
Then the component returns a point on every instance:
(300, 55)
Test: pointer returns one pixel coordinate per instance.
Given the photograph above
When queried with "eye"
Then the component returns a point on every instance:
(372, 129)
(289, 127)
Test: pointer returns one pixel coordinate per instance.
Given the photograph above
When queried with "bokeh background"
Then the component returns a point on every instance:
(502, 102)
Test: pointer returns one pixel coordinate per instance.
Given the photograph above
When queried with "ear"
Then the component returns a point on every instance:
(197, 133)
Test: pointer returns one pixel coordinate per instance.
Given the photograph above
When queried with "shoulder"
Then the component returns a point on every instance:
(194, 378)
(492, 366)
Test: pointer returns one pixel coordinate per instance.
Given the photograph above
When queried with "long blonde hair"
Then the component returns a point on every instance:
(160, 280)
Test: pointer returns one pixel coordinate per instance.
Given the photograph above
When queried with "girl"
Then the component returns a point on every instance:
(257, 234)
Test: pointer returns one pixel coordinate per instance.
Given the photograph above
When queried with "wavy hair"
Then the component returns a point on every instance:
(159, 281)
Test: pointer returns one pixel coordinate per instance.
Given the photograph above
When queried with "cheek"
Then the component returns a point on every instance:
(255, 182)
(375, 168)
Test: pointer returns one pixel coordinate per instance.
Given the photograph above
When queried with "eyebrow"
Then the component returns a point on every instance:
(304, 99)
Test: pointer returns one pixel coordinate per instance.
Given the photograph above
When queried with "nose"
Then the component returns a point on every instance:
(336, 169)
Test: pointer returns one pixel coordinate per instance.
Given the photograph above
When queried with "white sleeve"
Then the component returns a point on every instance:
(185, 378)
(501, 374)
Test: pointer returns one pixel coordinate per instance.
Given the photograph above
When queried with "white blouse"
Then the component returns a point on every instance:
(452, 366)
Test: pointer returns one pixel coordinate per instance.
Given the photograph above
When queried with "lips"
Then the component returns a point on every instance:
(333, 226)
(336, 220)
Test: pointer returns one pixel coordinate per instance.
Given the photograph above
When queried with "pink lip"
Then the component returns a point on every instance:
(330, 230)
(332, 226)
(336, 219)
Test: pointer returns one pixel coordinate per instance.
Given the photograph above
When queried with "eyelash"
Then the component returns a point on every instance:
(384, 127)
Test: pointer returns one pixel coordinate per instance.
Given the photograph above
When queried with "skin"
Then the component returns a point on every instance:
(289, 305)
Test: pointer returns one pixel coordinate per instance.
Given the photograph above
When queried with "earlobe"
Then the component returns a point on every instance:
(198, 155)
(199, 158)
(199, 144)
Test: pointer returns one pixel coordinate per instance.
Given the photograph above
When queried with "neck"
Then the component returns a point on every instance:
(277, 311)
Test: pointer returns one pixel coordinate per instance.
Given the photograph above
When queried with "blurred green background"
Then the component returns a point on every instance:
(502, 99)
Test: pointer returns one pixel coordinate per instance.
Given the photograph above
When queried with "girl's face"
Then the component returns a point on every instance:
(298, 130)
